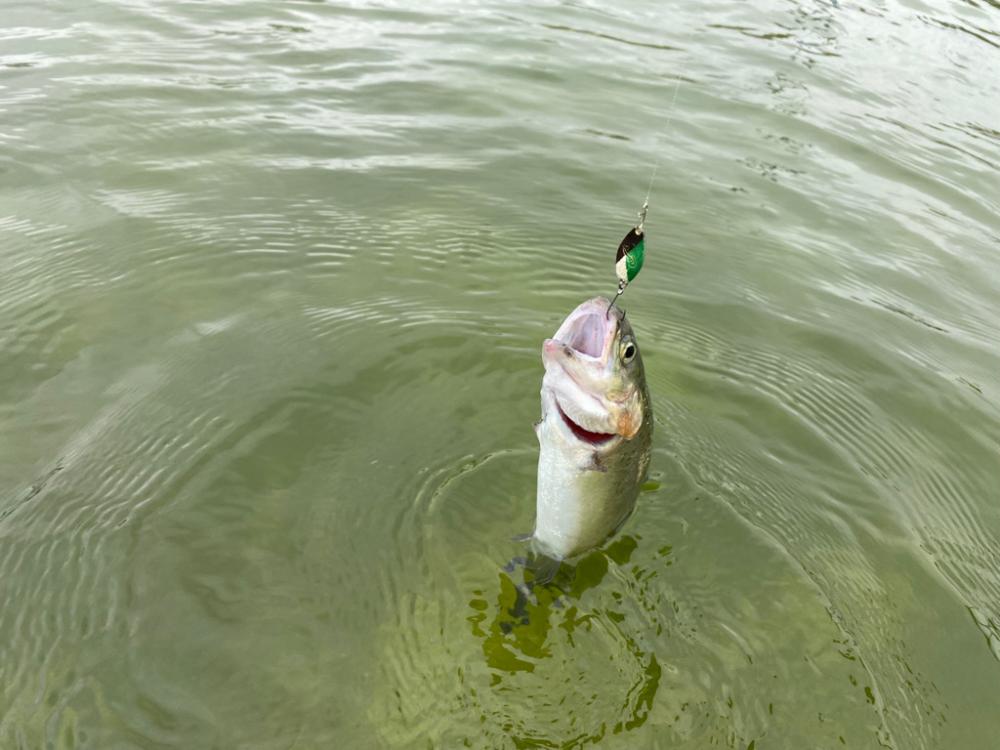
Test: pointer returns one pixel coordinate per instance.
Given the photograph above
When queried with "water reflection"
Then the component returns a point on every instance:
(538, 609)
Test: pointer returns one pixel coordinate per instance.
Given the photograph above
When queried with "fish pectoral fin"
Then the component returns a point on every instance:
(523, 537)
(595, 464)
(537, 426)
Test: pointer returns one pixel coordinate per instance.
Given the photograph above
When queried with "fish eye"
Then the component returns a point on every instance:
(628, 352)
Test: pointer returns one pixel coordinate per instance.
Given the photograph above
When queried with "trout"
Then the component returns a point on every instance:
(595, 430)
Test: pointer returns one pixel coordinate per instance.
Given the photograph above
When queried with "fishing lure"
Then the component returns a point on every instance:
(631, 254)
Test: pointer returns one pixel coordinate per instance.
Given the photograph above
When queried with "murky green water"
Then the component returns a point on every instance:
(273, 283)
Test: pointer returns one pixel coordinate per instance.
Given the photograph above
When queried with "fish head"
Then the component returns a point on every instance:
(594, 377)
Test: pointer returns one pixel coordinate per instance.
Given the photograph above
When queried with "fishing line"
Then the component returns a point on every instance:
(632, 249)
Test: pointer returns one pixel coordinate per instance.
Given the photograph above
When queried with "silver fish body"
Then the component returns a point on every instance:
(595, 431)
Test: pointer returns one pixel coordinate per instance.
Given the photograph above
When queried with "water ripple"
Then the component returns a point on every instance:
(274, 281)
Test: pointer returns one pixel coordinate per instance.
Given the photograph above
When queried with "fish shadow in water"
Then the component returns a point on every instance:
(532, 589)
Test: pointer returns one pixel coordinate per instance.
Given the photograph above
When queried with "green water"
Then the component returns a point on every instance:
(274, 279)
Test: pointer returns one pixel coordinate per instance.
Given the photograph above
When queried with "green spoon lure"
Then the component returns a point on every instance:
(631, 254)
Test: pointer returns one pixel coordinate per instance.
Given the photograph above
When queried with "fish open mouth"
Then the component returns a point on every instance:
(583, 434)
(586, 334)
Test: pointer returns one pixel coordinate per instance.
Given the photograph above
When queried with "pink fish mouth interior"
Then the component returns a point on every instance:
(593, 438)
(586, 335)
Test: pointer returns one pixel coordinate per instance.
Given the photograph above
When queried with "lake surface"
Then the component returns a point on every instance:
(274, 279)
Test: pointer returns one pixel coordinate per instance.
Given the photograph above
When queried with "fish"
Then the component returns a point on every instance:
(595, 431)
